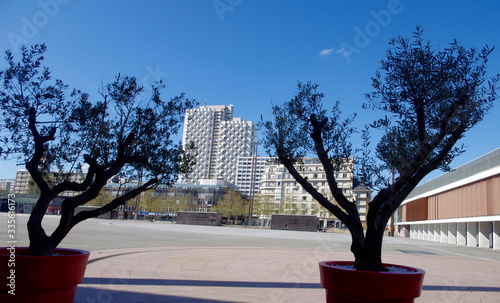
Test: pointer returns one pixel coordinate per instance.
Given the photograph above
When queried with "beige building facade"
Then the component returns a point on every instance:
(24, 183)
(279, 193)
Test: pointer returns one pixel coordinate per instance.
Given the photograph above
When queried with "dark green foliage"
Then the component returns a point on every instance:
(128, 131)
(429, 96)
(288, 135)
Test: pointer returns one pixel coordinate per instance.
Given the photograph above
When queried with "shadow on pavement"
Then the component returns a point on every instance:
(176, 282)
(120, 254)
(97, 295)
(461, 288)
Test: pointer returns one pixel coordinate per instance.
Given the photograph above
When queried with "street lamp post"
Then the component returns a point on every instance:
(138, 198)
(252, 183)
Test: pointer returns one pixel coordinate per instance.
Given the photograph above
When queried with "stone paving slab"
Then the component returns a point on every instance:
(213, 274)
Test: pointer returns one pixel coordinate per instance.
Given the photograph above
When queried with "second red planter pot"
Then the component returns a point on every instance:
(345, 285)
(41, 278)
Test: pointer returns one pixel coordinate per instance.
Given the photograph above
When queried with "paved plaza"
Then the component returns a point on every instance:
(164, 262)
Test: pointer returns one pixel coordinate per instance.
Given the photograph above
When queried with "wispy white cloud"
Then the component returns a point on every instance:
(326, 52)
(342, 52)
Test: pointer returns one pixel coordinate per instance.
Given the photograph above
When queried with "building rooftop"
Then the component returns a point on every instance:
(361, 187)
(476, 167)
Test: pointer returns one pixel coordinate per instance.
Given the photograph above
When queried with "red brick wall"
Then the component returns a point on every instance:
(416, 210)
(481, 198)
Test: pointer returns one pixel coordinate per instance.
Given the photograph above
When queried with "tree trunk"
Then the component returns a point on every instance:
(43, 245)
(373, 244)
(367, 249)
(38, 237)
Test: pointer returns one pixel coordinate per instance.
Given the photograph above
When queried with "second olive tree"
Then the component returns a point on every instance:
(430, 99)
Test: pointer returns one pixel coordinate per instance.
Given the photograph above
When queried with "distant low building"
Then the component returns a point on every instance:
(294, 222)
(24, 203)
(204, 196)
(197, 218)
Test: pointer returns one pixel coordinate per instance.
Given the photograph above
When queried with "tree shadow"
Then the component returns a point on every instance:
(98, 295)
(461, 288)
(207, 283)
(115, 255)
(92, 294)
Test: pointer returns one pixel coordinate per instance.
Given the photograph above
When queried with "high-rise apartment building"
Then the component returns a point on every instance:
(219, 139)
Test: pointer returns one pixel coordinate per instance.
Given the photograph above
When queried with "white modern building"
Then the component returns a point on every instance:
(461, 207)
(249, 173)
(219, 139)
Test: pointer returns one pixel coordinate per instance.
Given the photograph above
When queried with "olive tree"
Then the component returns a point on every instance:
(428, 99)
(57, 133)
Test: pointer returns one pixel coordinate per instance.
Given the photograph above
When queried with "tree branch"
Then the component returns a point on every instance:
(334, 209)
(424, 152)
(329, 171)
(426, 169)
(75, 186)
(420, 110)
(123, 146)
(33, 164)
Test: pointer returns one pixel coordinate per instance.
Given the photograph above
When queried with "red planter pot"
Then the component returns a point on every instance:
(348, 285)
(41, 278)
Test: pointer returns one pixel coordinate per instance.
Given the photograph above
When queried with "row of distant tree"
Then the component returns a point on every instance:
(231, 205)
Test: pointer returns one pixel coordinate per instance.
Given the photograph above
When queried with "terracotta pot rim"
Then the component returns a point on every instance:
(411, 270)
(361, 285)
(63, 252)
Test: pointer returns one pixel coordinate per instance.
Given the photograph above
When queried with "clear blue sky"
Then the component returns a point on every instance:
(249, 53)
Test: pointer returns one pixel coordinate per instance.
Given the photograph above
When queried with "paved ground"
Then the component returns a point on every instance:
(162, 262)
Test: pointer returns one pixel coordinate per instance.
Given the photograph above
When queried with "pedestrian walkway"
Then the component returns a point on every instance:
(229, 274)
